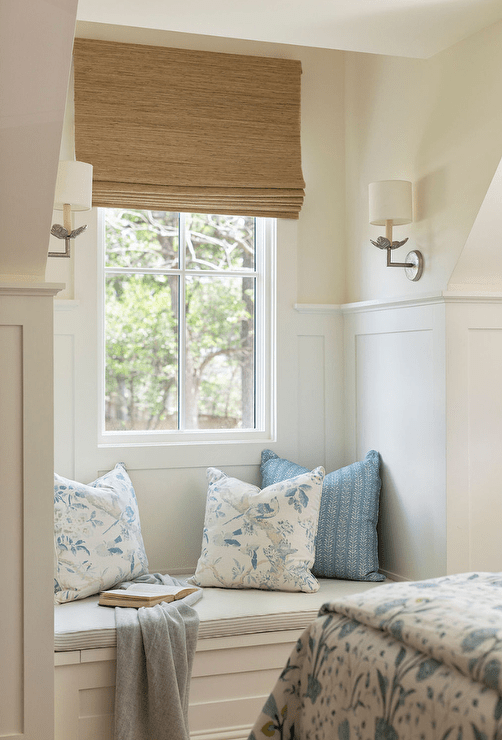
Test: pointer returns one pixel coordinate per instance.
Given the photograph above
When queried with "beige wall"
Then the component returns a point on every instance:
(438, 123)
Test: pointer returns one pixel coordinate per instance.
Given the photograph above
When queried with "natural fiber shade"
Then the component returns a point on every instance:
(181, 130)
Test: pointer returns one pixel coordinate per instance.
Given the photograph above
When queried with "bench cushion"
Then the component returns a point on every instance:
(83, 625)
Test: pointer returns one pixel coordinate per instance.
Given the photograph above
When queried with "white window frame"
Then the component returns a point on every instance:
(265, 357)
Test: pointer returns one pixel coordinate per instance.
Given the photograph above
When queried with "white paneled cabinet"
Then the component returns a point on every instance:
(26, 511)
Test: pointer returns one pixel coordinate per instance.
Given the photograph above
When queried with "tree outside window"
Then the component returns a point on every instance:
(180, 321)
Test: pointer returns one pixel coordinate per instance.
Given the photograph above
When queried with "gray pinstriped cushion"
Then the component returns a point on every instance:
(346, 543)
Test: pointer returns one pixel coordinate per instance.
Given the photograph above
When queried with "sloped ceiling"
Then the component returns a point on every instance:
(36, 38)
(413, 28)
(479, 267)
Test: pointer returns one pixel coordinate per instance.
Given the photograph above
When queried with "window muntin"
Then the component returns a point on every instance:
(186, 339)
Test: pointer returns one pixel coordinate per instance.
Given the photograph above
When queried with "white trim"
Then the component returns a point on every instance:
(382, 304)
(235, 733)
(393, 576)
(40, 289)
(265, 358)
(320, 308)
(454, 296)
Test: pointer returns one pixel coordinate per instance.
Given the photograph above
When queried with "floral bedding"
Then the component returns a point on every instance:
(404, 661)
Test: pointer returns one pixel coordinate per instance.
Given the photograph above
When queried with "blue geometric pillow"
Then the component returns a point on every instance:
(346, 543)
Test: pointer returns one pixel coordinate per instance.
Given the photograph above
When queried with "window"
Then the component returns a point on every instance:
(186, 325)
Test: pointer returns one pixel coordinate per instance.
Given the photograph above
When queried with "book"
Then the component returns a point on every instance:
(144, 594)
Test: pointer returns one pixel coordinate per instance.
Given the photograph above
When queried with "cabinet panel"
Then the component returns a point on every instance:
(11, 541)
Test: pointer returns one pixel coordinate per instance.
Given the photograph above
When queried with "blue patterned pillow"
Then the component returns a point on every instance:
(97, 535)
(346, 543)
(260, 538)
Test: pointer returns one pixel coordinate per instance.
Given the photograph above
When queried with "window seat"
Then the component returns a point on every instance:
(245, 637)
(84, 625)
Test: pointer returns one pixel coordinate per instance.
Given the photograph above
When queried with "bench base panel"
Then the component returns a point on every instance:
(231, 679)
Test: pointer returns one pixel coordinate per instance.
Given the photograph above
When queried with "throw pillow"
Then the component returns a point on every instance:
(97, 535)
(347, 542)
(260, 538)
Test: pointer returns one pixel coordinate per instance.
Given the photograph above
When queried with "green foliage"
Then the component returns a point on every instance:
(142, 320)
(141, 344)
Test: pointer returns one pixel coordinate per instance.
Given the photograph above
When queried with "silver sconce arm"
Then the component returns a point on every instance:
(61, 233)
(414, 265)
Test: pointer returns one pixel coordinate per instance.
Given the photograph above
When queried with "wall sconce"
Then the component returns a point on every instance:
(73, 193)
(391, 205)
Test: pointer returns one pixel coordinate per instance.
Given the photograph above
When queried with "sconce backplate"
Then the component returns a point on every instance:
(416, 261)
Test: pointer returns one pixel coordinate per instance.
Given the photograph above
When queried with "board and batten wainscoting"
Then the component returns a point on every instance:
(415, 378)
(170, 480)
(422, 383)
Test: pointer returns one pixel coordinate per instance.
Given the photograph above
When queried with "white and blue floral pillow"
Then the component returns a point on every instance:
(260, 538)
(97, 535)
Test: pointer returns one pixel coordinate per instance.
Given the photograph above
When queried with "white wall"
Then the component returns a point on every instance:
(170, 480)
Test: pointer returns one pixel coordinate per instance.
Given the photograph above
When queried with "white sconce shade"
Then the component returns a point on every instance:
(390, 204)
(73, 186)
(390, 200)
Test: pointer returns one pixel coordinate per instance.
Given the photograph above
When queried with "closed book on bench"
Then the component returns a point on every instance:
(144, 594)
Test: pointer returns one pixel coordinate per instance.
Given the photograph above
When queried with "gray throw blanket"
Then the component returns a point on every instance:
(155, 652)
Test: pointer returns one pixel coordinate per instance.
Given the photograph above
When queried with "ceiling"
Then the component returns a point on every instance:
(412, 28)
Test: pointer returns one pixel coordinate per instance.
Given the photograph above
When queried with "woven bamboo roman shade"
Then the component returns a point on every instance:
(180, 130)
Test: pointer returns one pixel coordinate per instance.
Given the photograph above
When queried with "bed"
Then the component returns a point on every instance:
(407, 661)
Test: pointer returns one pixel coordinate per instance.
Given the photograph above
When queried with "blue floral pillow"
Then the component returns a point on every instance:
(346, 543)
(260, 538)
(97, 535)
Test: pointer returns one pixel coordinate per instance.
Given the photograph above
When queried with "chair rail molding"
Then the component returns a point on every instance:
(440, 297)
(318, 308)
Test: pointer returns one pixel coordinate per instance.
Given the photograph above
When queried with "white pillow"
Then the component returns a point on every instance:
(260, 538)
(97, 535)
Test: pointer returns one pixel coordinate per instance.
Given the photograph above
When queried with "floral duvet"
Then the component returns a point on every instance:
(405, 661)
